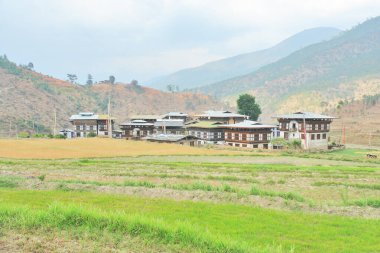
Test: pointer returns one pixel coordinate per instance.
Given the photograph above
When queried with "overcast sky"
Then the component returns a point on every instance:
(143, 39)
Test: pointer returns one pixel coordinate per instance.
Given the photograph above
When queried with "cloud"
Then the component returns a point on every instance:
(145, 38)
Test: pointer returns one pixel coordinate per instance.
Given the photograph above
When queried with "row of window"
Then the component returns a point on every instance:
(206, 135)
(248, 137)
(300, 126)
(85, 127)
(316, 136)
(243, 145)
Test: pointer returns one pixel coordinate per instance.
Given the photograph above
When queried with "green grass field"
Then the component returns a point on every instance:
(280, 202)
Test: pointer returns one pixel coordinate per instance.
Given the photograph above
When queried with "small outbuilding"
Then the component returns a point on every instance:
(187, 140)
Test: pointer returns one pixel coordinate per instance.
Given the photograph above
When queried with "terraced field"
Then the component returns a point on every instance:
(280, 202)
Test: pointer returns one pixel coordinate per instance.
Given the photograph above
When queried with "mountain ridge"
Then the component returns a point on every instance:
(243, 63)
(347, 66)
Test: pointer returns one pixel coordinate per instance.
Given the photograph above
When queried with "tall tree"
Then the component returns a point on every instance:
(72, 78)
(89, 80)
(112, 79)
(30, 65)
(247, 105)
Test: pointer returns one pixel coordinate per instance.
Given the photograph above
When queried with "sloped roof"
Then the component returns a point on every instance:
(137, 122)
(221, 114)
(168, 137)
(206, 124)
(303, 115)
(176, 114)
(169, 123)
(148, 116)
(249, 124)
(89, 116)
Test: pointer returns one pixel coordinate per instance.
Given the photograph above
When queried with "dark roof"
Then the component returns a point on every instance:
(303, 115)
(169, 137)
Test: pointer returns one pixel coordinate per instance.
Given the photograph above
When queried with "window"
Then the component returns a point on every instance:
(318, 136)
(322, 126)
(294, 126)
(237, 145)
(268, 137)
(88, 128)
(316, 126)
(255, 146)
(312, 136)
(244, 138)
(240, 137)
(260, 137)
(81, 127)
(328, 126)
(280, 125)
(244, 145)
(324, 136)
(287, 126)
(256, 137)
(309, 127)
(219, 135)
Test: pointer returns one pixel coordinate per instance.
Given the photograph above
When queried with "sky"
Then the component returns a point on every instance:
(145, 39)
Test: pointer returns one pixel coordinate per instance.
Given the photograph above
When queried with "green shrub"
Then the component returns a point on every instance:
(91, 135)
(23, 135)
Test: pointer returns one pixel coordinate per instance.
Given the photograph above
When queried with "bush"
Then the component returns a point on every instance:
(59, 136)
(91, 135)
(23, 135)
(38, 136)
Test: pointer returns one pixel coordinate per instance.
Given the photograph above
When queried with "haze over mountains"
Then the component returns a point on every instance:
(316, 77)
(245, 63)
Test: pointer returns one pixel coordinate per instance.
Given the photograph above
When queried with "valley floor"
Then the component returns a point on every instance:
(224, 202)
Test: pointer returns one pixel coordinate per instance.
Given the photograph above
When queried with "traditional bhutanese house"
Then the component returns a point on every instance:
(136, 129)
(173, 138)
(226, 117)
(85, 123)
(147, 118)
(211, 132)
(169, 126)
(311, 128)
(249, 134)
(176, 115)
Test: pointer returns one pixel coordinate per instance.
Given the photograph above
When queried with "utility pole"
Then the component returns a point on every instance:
(304, 130)
(55, 122)
(10, 128)
(109, 118)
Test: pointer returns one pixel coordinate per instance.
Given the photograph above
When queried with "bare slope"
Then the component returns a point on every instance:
(29, 99)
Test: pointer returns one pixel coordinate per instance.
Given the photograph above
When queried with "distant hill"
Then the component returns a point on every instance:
(316, 77)
(245, 63)
(361, 120)
(28, 99)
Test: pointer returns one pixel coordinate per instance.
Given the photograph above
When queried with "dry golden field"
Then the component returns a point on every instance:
(94, 147)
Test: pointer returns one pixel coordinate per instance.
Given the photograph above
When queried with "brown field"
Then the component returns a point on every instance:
(95, 147)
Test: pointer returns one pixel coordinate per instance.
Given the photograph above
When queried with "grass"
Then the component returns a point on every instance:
(234, 228)
(189, 187)
(96, 221)
(355, 185)
(95, 147)
(365, 202)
